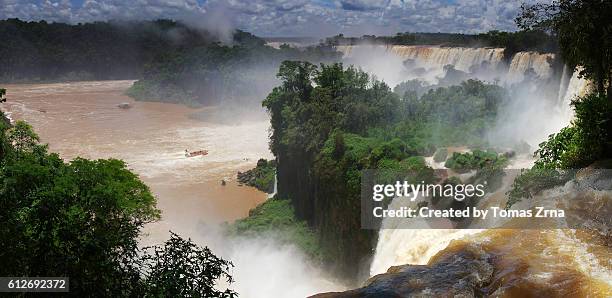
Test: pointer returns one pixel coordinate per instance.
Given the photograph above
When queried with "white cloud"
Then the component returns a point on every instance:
(290, 17)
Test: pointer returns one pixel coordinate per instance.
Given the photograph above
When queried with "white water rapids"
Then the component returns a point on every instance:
(395, 64)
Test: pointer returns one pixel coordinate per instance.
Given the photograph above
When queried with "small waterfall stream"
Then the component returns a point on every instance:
(271, 195)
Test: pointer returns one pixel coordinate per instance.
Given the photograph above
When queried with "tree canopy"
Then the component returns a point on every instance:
(584, 31)
(330, 122)
(82, 219)
(43, 51)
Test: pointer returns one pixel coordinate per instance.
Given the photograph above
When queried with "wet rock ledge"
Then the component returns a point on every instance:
(261, 177)
(460, 273)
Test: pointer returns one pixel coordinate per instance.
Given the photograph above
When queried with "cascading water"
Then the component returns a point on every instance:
(428, 61)
(461, 58)
(395, 64)
(523, 61)
(398, 245)
(271, 195)
(576, 87)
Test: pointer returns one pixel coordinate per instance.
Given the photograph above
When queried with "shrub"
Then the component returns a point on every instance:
(586, 140)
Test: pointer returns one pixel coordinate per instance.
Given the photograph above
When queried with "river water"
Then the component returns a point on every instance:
(82, 119)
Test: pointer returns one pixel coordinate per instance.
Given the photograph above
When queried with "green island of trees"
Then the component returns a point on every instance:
(329, 122)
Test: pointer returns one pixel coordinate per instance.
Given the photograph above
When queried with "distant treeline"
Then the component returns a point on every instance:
(532, 40)
(42, 51)
(178, 63)
(174, 61)
(243, 73)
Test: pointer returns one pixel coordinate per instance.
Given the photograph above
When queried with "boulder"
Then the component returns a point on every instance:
(463, 271)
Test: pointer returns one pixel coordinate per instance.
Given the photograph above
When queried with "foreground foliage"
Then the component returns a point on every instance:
(179, 268)
(584, 31)
(82, 220)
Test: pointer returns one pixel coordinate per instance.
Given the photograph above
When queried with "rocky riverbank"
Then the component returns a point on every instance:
(260, 177)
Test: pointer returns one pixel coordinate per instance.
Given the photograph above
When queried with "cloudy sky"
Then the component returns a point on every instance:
(286, 17)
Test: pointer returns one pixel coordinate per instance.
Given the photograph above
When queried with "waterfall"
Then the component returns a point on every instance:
(394, 64)
(411, 246)
(524, 61)
(565, 79)
(427, 62)
(398, 245)
(576, 86)
(271, 195)
(462, 58)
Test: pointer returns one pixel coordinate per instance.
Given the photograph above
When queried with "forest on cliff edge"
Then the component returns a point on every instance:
(329, 122)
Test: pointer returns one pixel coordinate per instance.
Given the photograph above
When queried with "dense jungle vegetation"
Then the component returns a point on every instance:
(42, 51)
(82, 220)
(210, 74)
(329, 122)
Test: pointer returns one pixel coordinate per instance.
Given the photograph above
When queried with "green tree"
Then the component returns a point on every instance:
(339, 145)
(584, 31)
(180, 268)
(22, 137)
(80, 219)
(586, 140)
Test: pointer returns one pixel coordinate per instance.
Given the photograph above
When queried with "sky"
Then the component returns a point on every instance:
(269, 18)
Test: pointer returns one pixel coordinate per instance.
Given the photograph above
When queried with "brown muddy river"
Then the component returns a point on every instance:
(82, 119)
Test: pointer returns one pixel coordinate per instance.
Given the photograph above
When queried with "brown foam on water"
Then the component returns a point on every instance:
(542, 263)
(82, 119)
